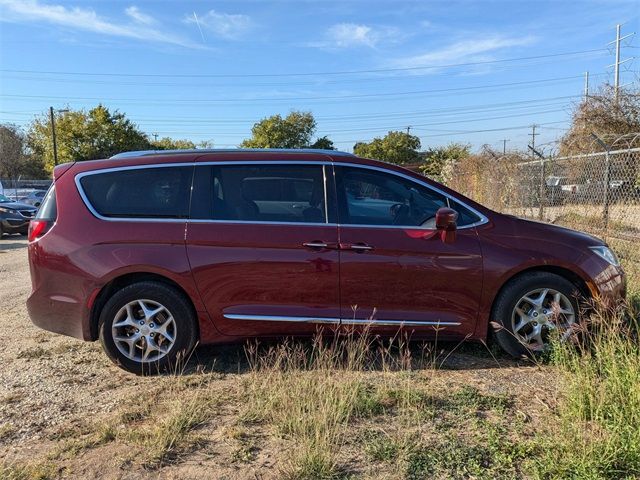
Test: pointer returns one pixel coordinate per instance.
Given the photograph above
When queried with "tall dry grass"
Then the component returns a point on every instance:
(598, 430)
(310, 392)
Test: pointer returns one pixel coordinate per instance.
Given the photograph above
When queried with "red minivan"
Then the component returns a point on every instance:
(153, 252)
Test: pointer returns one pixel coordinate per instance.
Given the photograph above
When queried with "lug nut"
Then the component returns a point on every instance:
(535, 314)
(141, 322)
(151, 325)
(137, 330)
(152, 334)
(535, 324)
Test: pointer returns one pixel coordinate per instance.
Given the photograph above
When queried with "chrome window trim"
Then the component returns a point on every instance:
(482, 221)
(95, 213)
(79, 176)
(335, 320)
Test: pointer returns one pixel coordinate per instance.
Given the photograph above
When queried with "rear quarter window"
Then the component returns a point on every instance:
(159, 192)
(49, 208)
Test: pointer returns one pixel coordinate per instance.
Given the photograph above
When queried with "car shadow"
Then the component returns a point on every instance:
(235, 358)
(7, 244)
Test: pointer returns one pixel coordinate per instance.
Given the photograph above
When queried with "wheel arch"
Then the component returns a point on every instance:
(124, 280)
(566, 273)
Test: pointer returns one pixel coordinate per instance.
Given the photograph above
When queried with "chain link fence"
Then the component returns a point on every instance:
(597, 191)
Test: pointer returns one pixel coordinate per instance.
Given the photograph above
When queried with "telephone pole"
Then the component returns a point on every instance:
(504, 146)
(533, 135)
(616, 65)
(53, 132)
(408, 130)
(53, 136)
(586, 85)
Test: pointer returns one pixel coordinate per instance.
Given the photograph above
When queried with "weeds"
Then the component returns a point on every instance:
(598, 430)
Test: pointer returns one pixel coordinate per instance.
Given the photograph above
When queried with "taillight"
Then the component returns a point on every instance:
(38, 228)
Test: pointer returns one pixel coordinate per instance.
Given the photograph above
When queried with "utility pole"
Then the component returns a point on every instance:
(53, 132)
(533, 135)
(586, 85)
(616, 65)
(504, 146)
(53, 136)
(155, 137)
(408, 130)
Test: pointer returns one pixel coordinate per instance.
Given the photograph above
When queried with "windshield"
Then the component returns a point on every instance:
(4, 199)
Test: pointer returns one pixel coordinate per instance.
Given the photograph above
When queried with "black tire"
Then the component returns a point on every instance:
(508, 298)
(185, 326)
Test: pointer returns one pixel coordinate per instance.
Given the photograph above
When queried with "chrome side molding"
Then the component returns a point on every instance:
(338, 321)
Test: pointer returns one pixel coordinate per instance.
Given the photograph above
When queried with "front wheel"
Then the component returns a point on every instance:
(530, 308)
(147, 327)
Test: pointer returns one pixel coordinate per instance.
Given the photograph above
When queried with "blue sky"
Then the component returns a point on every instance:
(475, 72)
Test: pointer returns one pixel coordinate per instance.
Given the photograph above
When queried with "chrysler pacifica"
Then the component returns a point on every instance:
(153, 252)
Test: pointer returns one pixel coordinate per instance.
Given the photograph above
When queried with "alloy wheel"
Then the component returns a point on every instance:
(538, 313)
(144, 330)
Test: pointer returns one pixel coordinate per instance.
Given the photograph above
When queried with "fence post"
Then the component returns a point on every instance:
(541, 193)
(542, 189)
(607, 181)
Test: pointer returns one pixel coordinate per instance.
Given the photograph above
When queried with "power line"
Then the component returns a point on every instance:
(301, 74)
(374, 115)
(329, 97)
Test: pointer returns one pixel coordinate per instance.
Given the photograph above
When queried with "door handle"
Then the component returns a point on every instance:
(317, 244)
(360, 247)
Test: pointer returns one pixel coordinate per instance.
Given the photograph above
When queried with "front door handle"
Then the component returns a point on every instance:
(317, 244)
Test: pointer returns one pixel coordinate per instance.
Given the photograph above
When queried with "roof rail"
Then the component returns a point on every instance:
(143, 153)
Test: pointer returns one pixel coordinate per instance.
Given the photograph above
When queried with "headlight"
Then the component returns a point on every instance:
(606, 254)
(7, 210)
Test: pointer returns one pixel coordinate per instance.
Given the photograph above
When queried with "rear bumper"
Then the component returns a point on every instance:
(59, 314)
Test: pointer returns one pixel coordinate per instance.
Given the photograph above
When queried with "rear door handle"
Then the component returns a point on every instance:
(360, 247)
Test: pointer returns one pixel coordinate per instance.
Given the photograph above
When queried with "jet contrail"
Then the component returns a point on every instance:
(200, 29)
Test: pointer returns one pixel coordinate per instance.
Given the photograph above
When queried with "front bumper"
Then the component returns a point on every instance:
(609, 285)
(15, 225)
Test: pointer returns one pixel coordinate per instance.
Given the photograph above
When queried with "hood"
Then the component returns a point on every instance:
(17, 206)
(548, 232)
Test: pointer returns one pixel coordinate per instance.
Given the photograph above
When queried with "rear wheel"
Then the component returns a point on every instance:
(147, 327)
(531, 308)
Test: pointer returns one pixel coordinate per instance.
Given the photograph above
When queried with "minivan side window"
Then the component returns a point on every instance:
(260, 193)
(371, 197)
(158, 192)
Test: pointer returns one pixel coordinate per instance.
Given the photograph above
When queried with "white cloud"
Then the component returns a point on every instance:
(350, 34)
(135, 13)
(479, 49)
(347, 35)
(87, 20)
(226, 25)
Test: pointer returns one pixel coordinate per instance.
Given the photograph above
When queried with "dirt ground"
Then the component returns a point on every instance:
(52, 388)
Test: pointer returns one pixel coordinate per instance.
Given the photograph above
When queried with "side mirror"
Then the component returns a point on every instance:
(446, 219)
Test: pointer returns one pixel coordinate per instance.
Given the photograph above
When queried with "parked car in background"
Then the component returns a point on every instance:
(34, 198)
(15, 216)
(154, 252)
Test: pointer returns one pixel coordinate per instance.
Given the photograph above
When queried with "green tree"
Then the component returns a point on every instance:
(293, 131)
(439, 161)
(166, 143)
(394, 147)
(85, 135)
(324, 143)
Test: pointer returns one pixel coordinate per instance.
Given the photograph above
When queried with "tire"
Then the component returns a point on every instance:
(514, 327)
(139, 340)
